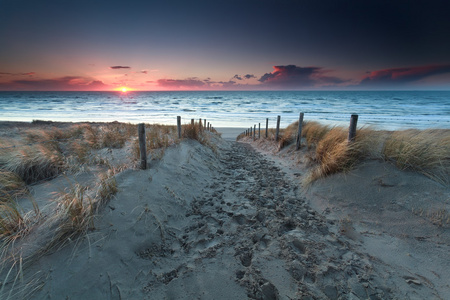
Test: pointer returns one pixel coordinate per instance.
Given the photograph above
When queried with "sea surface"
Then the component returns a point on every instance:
(383, 110)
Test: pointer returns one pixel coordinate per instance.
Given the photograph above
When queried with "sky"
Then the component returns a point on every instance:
(224, 45)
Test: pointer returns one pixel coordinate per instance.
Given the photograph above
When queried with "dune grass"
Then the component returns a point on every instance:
(197, 132)
(288, 135)
(44, 153)
(11, 219)
(33, 163)
(314, 132)
(110, 135)
(76, 210)
(11, 185)
(333, 153)
(160, 137)
(425, 151)
(157, 138)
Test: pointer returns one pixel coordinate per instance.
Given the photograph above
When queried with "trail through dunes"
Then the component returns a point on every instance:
(206, 225)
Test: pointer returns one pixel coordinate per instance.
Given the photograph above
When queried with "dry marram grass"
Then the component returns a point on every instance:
(425, 151)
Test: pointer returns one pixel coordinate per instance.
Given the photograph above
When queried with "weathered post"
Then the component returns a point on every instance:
(299, 133)
(142, 147)
(352, 128)
(200, 124)
(192, 122)
(254, 132)
(267, 127)
(259, 130)
(205, 124)
(208, 126)
(179, 126)
(277, 133)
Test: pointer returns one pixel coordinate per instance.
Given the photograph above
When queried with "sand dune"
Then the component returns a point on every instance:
(236, 224)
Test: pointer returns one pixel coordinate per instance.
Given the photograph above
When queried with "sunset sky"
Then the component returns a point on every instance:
(224, 45)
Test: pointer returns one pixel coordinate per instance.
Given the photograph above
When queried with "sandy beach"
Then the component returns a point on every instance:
(230, 133)
(233, 221)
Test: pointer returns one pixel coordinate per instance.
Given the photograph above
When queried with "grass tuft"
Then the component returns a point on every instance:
(11, 185)
(11, 219)
(76, 212)
(313, 132)
(425, 151)
(106, 188)
(190, 131)
(334, 154)
(33, 163)
(288, 135)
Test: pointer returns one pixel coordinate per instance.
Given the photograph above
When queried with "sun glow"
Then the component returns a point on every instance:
(124, 89)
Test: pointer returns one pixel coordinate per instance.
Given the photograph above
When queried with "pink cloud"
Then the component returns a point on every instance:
(292, 76)
(403, 75)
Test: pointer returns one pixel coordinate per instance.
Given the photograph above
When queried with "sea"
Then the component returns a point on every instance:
(383, 110)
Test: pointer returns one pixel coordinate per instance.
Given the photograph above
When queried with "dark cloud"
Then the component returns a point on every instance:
(119, 67)
(291, 76)
(399, 76)
(239, 77)
(18, 74)
(67, 83)
(181, 83)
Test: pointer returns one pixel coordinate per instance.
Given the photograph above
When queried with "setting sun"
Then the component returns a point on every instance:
(124, 89)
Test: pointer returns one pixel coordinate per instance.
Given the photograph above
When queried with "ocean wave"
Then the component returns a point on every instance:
(238, 108)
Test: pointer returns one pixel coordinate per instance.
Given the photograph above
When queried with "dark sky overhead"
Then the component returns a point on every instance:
(224, 45)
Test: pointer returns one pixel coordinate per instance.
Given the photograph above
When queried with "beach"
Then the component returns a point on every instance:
(212, 218)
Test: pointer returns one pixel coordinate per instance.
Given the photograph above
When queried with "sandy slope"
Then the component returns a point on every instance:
(237, 225)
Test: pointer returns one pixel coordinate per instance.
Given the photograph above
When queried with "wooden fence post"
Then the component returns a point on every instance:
(192, 122)
(259, 131)
(277, 133)
(254, 132)
(179, 126)
(352, 128)
(267, 127)
(200, 124)
(205, 124)
(299, 133)
(208, 127)
(142, 146)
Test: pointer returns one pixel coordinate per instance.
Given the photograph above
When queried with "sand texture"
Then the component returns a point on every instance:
(236, 224)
